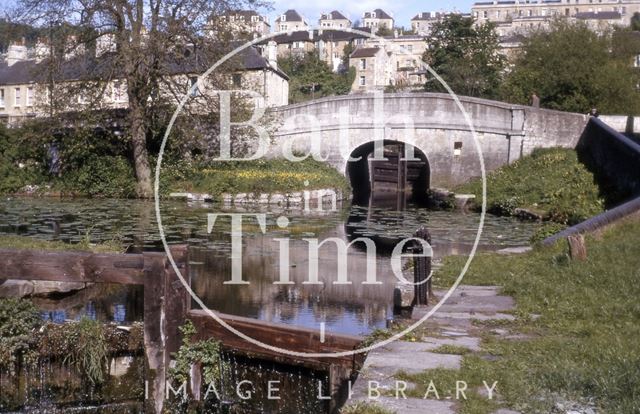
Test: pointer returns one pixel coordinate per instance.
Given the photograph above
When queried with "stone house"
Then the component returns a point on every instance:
(520, 16)
(328, 44)
(289, 21)
(334, 19)
(373, 69)
(247, 21)
(24, 89)
(421, 22)
(377, 19)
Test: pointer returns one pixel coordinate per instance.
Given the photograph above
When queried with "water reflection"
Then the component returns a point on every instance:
(354, 308)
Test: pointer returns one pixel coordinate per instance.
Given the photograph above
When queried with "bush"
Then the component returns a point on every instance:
(108, 176)
(550, 182)
(547, 230)
(18, 319)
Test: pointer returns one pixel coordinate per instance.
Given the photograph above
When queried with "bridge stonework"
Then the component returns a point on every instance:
(339, 125)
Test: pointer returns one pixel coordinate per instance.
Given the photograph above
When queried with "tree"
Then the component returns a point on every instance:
(384, 31)
(572, 68)
(311, 77)
(152, 38)
(466, 57)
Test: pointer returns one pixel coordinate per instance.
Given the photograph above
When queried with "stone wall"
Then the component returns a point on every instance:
(433, 123)
(613, 157)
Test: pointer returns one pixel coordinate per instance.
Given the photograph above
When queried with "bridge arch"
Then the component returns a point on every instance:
(361, 176)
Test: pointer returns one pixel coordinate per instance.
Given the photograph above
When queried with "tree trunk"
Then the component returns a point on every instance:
(140, 154)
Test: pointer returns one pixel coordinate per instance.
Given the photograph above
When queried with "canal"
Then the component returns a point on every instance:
(352, 309)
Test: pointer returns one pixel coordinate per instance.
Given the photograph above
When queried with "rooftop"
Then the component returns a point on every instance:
(290, 16)
(379, 14)
(334, 15)
(365, 52)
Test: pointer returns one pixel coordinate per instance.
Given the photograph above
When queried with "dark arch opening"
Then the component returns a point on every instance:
(360, 173)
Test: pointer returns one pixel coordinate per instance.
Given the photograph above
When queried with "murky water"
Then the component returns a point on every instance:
(353, 309)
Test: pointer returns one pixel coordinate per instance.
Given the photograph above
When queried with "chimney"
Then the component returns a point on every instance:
(16, 53)
(73, 48)
(272, 54)
(41, 50)
(395, 33)
(105, 43)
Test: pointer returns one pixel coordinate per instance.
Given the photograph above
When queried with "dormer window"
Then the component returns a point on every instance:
(283, 18)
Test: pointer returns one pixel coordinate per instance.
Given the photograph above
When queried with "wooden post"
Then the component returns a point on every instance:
(421, 270)
(155, 359)
(166, 303)
(577, 247)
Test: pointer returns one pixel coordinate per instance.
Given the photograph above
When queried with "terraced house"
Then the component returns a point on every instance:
(90, 77)
(519, 16)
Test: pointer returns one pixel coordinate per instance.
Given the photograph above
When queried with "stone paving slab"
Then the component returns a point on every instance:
(452, 325)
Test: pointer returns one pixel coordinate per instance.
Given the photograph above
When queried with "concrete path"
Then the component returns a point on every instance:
(453, 325)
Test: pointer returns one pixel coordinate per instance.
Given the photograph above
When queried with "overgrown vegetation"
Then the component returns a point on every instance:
(88, 350)
(206, 353)
(466, 56)
(365, 408)
(18, 320)
(261, 176)
(311, 77)
(549, 182)
(573, 68)
(96, 164)
(581, 348)
(30, 243)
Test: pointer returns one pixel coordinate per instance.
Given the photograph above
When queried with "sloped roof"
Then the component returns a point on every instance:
(334, 15)
(322, 34)
(427, 16)
(602, 15)
(380, 14)
(82, 67)
(365, 52)
(291, 16)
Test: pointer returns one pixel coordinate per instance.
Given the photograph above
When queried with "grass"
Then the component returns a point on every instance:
(365, 408)
(550, 182)
(30, 243)
(451, 350)
(582, 349)
(262, 176)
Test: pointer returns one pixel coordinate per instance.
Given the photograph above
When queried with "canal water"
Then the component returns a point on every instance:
(355, 308)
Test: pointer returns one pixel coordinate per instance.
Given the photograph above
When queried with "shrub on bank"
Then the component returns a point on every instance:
(260, 176)
(550, 182)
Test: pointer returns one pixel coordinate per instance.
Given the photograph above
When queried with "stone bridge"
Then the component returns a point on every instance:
(432, 122)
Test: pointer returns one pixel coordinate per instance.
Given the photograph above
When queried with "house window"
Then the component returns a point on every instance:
(283, 18)
(117, 91)
(1, 98)
(193, 88)
(17, 97)
(457, 148)
(363, 64)
(410, 48)
(30, 96)
(237, 80)
(484, 14)
(363, 81)
(636, 63)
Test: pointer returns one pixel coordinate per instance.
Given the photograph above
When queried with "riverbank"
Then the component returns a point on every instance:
(568, 346)
(550, 184)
